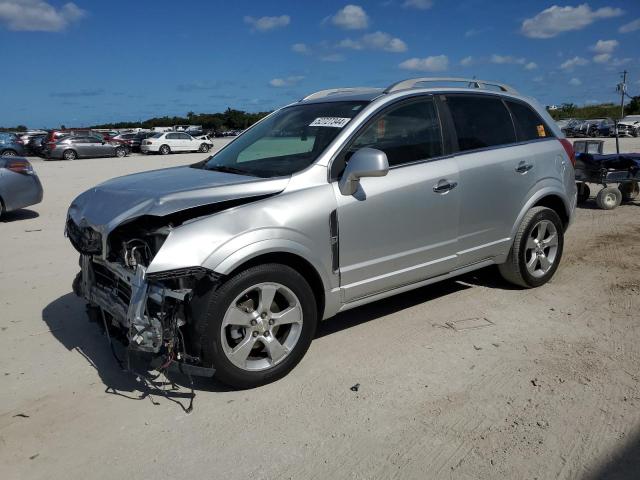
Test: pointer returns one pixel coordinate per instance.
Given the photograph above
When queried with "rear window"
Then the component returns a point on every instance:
(529, 125)
(480, 121)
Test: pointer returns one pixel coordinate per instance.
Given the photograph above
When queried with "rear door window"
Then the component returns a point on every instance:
(529, 125)
(480, 121)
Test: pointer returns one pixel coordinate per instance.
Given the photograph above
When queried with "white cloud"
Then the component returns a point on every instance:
(375, 41)
(419, 4)
(302, 48)
(574, 62)
(538, 79)
(575, 82)
(531, 66)
(351, 17)
(604, 46)
(350, 43)
(429, 64)
(38, 15)
(333, 57)
(467, 61)
(602, 58)
(630, 27)
(555, 20)
(286, 82)
(264, 24)
(618, 62)
(476, 31)
(507, 59)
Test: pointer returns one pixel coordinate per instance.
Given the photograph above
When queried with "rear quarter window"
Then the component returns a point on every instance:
(529, 125)
(480, 121)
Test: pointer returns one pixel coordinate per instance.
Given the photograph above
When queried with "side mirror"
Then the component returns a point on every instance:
(366, 162)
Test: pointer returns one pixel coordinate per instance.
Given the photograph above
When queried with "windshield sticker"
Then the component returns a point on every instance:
(335, 122)
(541, 132)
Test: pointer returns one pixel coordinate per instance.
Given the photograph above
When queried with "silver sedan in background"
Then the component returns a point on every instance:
(83, 146)
(19, 185)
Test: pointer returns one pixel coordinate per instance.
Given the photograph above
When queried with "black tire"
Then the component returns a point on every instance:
(584, 192)
(9, 153)
(211, 341)
(121, 152)
(164, 150)
(630, 191)
(204, 148)
(69, 155)
(609, 198)
(2, 210)
(514, 270)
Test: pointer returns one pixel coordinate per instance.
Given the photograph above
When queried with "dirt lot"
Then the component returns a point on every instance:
(550, 388)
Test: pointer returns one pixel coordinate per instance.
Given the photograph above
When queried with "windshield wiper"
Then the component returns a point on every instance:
(227, 169)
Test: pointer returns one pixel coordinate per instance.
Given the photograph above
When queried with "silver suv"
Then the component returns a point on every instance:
(343, 198)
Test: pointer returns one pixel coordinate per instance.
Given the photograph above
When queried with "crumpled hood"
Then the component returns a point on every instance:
(162, 192)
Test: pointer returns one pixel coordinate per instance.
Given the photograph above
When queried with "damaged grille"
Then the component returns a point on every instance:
(107, 279)
(84, 239)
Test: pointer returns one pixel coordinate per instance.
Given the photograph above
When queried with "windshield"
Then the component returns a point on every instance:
(288, 141)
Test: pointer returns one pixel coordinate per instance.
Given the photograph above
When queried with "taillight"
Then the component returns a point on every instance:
(569, 149)
(147, 142)
(19, 166)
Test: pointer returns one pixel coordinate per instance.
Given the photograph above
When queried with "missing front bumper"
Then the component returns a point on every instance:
(147, 313)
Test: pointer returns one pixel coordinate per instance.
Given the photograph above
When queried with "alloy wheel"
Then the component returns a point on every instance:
(261, 326)
(541, 248)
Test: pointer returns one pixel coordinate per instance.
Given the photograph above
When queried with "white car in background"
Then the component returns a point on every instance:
(168, 142)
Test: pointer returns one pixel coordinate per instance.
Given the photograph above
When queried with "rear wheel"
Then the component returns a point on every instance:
(630, 191)
(165, 150)
(609, 198)
(536, 250)
(9, 153)
(259, 325)
(69, 155)
(584, 192)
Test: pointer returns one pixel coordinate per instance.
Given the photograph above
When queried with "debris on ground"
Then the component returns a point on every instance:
(355, 388)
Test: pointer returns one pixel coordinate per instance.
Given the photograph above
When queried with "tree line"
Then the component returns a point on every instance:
(230, 119)
(603, 110)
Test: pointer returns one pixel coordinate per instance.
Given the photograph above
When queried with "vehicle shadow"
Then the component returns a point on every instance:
(69, 323)
(621, 465)
(16, 215)
(486, 277)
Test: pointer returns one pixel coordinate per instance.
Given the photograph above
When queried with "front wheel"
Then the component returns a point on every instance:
(9, 153)
(121, 152)
(259, 325)
(536, 250)
(204, 148)
(609, 198)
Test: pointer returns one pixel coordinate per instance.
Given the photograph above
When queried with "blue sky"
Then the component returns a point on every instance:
(94, 61)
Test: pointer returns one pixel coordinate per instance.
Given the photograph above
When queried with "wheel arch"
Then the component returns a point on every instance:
(300, 264)
(557, 204)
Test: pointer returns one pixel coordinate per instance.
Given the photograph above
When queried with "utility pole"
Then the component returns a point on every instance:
(622, 88)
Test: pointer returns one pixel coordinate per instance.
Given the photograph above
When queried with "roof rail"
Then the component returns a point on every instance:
(471, 83)
(334, 91)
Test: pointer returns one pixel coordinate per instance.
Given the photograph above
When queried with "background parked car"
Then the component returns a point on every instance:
(83, 146)
(10, 145)
(20, 187)
(131, 140)
(36, 144)
(169, 142)
(629, 126)
(56, 134)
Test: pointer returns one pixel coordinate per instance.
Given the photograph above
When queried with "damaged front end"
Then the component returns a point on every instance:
(149, 313)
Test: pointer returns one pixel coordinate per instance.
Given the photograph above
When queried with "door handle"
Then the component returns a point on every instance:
(443, 186)
(524, 167)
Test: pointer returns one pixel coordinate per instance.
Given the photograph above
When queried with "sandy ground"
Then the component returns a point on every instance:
(548, 389)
